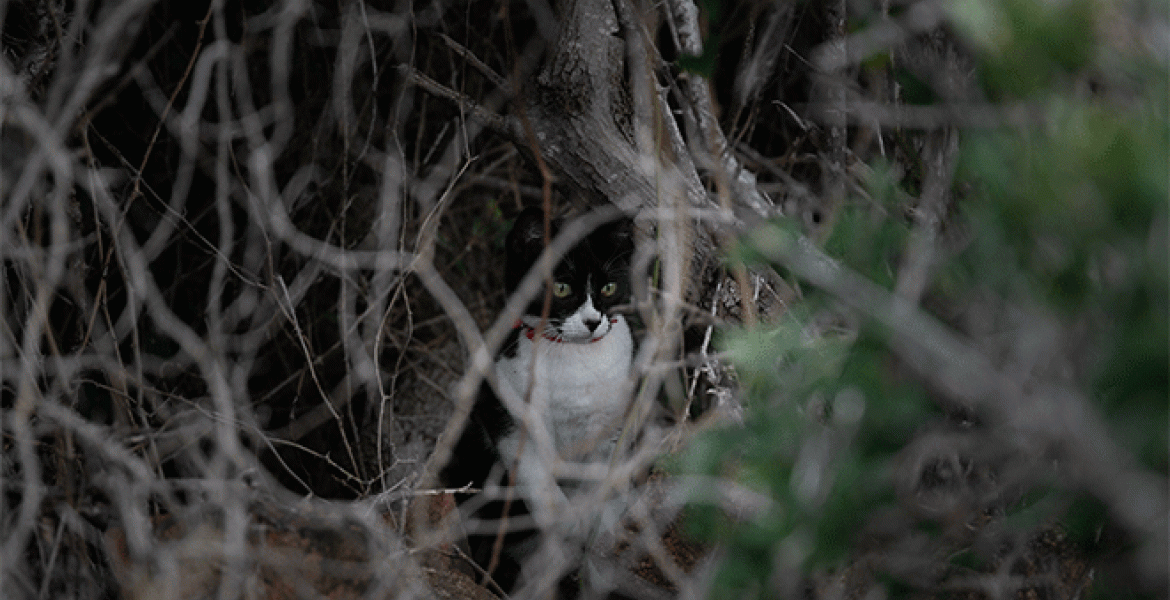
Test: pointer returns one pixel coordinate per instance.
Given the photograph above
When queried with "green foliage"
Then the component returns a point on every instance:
(1073, 211)
(915, 91)
(1028, 46)
(1067, 215)
(805, 393)
(1073, 198)
(869, 238)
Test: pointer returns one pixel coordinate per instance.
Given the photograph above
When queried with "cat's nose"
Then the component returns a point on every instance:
(591, 324)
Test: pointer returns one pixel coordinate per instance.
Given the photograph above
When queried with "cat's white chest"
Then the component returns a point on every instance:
(577, 389)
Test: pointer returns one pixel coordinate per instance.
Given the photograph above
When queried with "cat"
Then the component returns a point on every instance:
(569, 366)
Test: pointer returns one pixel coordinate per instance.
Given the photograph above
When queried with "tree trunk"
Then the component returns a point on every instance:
(589, 125)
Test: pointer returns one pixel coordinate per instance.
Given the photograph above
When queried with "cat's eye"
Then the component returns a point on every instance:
(560, 289)
(609, 289)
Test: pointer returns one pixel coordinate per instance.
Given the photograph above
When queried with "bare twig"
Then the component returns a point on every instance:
(504, 126)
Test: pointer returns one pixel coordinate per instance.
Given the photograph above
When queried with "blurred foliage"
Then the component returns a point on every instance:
(1065, 213)
(1027, 46)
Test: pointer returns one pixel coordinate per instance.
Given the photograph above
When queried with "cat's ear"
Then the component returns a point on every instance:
(618, 235)
(524, 244)
(527, 236)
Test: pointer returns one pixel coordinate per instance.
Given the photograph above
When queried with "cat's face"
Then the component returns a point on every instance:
(590, 280)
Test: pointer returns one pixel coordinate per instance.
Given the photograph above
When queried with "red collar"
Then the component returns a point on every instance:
(530, 332)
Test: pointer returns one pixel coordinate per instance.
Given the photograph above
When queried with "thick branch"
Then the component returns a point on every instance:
(707, 130)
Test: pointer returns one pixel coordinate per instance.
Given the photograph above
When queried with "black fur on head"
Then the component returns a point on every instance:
(601, 259)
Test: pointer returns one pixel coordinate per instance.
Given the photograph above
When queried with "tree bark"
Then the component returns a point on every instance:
(606, 143)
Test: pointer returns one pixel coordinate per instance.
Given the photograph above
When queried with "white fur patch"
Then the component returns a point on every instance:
(577, 393)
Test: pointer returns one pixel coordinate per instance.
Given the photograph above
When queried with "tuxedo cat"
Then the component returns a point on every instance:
(566, 366)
